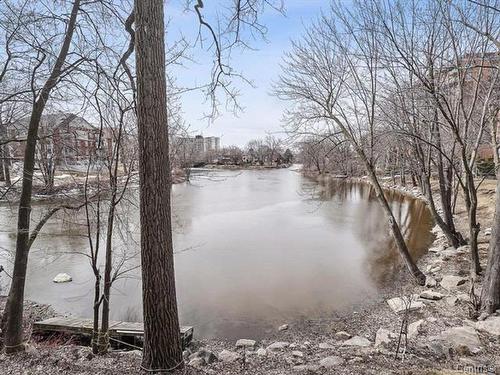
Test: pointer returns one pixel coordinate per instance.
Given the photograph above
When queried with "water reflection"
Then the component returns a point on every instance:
(254, 249)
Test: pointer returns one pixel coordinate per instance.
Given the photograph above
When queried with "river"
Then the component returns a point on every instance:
(254, 249)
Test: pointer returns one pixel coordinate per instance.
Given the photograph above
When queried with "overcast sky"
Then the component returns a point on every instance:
(262, 112)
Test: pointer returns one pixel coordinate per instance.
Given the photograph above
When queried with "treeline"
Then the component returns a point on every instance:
(403, 88)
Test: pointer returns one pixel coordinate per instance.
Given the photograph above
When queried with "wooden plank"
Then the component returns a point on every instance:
(116, 328)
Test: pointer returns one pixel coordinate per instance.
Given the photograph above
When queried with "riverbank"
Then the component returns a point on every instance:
(362, 340)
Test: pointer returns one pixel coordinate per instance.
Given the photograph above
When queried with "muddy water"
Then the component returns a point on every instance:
(254, 249)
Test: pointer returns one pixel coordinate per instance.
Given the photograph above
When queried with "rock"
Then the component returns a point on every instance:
(62, 278)
(307, 343)
(448, 253)
(433, 296)
(279, 345)
(229, 356)
(397, 304)
(463, 340)
(197, 362)
(357, 341)
(324, 345)
(245, 343)
(432, 319)
(490, 326)
(430, 282)
(207, 356)
(451, 300)
(463, 297)
(283, 327)
(465, 249)
(342, 335)
(487, 232)
(306, 368)
(261, 352)
(297, 353)
(451, 282)
(383, 337)
(31, 350)
(332, 361)
(414, 328)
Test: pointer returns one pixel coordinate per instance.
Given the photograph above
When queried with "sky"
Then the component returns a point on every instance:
(262, 112)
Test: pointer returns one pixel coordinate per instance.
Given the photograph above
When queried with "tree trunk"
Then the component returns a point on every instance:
(13, 336)
(490, 294)
(2, 163)
(162, 343)
(103, 334)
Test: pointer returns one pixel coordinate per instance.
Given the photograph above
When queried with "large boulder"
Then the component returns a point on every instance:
(451, 282)
(342, 335)
(279, 345)
(357, 341)
(463, 340)
(205, 355)
(62, 278)
(332, 361)
(490, 326)
(229, 356)
(384, 337)
(414, 328)
(398, 304)
(431, 295)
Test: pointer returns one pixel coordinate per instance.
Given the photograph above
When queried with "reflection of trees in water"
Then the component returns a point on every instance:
(371, 227)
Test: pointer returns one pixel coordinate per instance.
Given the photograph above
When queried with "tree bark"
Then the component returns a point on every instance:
(13, 336)
(162, 343)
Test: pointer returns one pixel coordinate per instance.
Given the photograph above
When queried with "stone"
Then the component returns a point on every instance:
(278, 345)
(283, 327)
(207, 356)
(62, 278)
(430, 295)
(197, 362)
(342, 335)
(383, 337)
(357, 341)
(332, 361)
(432, 319)
(261, 352)
(430, 282)
(229, 356)
(324, 345)
(490, 326)
(465, 249)
(448, 253)
(245, 343)
(463, 340)
(414, 328)
(463, 297)
(297, 353)
(306, 368)
(451, 282)
(397, 304)
(487, 232)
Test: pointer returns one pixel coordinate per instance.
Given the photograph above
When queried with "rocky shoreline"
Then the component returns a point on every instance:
(442, 338)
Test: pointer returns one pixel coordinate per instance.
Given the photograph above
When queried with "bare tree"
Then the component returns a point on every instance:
(13, 339)
(333, 77)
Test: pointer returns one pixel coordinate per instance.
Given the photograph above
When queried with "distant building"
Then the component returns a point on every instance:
(199, 148)
(64, 138)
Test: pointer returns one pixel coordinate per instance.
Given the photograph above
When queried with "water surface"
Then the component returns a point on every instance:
(254, 249)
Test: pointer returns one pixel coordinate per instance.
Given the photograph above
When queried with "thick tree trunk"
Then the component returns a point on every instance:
(162, 342)
(13, 336)
(490, 294)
